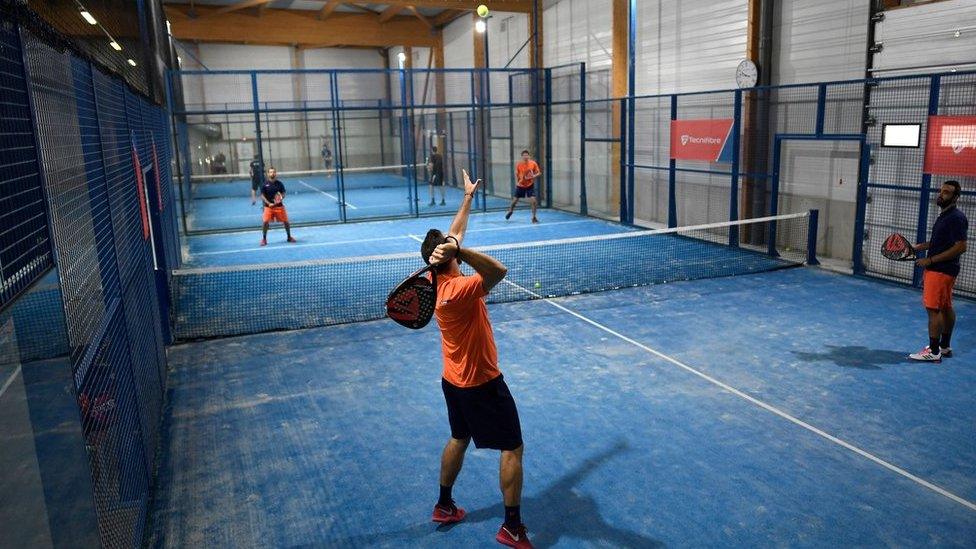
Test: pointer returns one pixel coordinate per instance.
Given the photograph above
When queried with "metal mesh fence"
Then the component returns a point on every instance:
(102, 167)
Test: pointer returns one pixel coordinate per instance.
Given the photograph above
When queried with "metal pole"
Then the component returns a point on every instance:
(632, 91)
(921, 231)
(673, 175)
(257, 118)
(582, 157)
(734, 184)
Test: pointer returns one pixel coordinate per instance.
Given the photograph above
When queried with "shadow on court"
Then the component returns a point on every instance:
(561, 510)
(856, 356)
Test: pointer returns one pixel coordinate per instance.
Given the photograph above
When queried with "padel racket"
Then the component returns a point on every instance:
(411, 303)
(897, 248)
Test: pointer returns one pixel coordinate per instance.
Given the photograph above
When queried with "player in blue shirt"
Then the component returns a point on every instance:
(941, 264)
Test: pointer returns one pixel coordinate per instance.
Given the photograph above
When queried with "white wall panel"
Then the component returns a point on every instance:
(459, 44)
(817, 41)
(690, 45)
(507, 32)
(926, 35)
(577, 31)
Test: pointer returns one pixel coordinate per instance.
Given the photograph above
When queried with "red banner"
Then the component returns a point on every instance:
(706, 139)
(141, 193)
(950, 148)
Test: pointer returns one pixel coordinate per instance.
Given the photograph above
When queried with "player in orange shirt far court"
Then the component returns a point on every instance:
(479, 403)
(526, 172)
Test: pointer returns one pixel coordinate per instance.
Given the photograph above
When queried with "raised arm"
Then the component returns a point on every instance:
(491, 270)
(460, 223)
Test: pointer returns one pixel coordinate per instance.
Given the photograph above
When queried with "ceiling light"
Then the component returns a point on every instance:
(88, 17)
(402, 57)
(131, 62)
(480, 26)
(115, 45)
(169, 28)
(957, 34)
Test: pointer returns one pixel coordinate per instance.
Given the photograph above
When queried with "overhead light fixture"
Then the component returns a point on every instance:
(402, 57)
(115, 45)
(169, 28)
(480, 26)
(87, 16)
(957, 34)
(179, 60)
(131, 62)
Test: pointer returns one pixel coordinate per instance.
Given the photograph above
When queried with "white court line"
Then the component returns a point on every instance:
(417, 238)
(768, 407)
(10, 381)
(362, 240)
(333, 197)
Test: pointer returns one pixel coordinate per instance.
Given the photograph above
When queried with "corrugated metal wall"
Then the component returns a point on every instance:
(926, 35)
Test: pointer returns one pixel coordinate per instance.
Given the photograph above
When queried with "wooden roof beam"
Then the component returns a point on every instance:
(390, 12)
(328, 8)
(418, 15)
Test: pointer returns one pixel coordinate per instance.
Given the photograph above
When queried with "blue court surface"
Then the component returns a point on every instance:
(773, 409)
(385, 237)
(316, 199)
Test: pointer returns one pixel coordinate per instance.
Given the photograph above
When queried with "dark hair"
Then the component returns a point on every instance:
(526, 151)
(434, 148)
(433, 239)
(955, 185)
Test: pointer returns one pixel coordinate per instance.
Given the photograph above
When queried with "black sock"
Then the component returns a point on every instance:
(945, 341)
(513, 517)
(445, 498)
(934, 344)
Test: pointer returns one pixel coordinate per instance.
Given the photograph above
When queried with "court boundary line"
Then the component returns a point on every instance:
(10, 381)
(759, 403)
(362, 240)
(333, 197)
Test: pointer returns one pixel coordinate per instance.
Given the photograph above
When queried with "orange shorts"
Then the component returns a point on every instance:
(276, 213)
(937, 290)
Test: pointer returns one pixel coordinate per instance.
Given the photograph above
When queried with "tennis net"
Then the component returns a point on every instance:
(309, 181)
(228, 301)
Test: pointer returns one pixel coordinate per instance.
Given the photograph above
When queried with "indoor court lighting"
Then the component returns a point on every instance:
(115, 45)
(480, 26)
(402, 57)
(88, 17)
(169, 28)
(131, 62)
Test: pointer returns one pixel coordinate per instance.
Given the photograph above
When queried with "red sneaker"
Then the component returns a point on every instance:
(290, 239)
(264, 242)
(518, 539)
(447, 515)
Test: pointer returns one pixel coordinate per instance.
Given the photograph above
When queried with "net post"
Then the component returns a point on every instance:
(673, 174)
(812, 238)
(774, 197)
(734, 186)
(582, 158)
(623, 160)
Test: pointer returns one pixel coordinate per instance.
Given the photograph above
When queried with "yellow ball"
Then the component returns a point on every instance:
(483, 10)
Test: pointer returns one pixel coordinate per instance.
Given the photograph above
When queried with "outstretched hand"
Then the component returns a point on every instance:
(469, 187)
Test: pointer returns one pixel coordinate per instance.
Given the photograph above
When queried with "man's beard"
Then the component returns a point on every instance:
(942, 203)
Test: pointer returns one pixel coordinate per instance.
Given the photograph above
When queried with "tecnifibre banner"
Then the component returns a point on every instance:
(706, 139)
(951, 145)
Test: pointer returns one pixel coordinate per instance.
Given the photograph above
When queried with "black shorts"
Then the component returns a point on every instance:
(255, 184)
(525, 192)
(485, 413)
(437, 180)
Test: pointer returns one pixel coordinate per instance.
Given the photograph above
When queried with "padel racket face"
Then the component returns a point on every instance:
(412, 302)
(897, 248)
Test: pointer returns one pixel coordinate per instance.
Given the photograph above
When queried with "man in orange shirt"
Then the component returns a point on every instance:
(526, 173)
(479, 404)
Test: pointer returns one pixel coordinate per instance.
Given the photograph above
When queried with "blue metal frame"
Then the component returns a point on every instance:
(548, 116)
(257, 117)
(338, 156)
(921, 233)
(582, 159)
(631, 114)
(734, 182)
(864, 164)
(672, 174)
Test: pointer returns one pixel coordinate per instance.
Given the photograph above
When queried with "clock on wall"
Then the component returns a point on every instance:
(746, 74)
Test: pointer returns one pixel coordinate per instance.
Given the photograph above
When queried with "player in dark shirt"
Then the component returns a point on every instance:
(257, 177)
(941, 264)
(435, 165)
(273, 196)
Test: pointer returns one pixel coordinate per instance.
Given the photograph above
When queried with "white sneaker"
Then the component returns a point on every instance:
(946, 352)
(926, 355)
